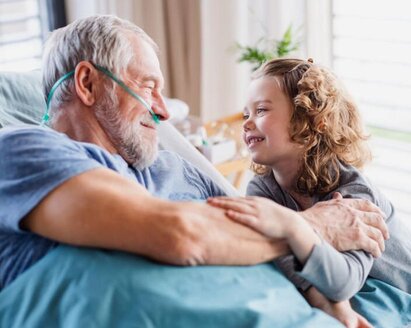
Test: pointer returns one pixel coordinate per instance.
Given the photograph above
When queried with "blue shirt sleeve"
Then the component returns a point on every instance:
(34, 161)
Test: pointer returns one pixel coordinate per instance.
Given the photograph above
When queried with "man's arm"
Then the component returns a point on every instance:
(99, 208)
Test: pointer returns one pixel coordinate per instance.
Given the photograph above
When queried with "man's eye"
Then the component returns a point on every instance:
(149, 89)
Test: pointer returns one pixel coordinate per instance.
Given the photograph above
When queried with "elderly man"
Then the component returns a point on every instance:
(97, 179)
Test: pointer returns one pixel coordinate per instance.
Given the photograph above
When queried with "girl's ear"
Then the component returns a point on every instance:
(86, 80)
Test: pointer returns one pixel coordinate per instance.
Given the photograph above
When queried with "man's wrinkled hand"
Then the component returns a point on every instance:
(349, 224)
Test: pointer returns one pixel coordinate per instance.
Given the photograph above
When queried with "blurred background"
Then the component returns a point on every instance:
(367, 43)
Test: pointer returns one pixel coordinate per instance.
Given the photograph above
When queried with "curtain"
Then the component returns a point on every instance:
(176, 27)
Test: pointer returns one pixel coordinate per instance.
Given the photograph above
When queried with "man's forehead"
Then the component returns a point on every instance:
(144, 61)
(141, 45)
(141, 38)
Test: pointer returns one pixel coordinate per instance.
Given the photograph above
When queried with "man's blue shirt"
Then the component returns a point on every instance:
(35, 160)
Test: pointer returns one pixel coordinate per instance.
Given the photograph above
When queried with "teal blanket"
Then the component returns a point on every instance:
(73, 287)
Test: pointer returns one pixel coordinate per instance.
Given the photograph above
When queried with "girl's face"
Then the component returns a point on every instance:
(266, 124)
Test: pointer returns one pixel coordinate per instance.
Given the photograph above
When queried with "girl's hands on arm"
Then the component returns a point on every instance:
(347, 224)
(271, 220)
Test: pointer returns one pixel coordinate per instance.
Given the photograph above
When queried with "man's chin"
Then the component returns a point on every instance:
(145, 162)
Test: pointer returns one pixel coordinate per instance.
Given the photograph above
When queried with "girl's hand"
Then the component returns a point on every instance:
(342, 311)
(260, 214)
(271, 220)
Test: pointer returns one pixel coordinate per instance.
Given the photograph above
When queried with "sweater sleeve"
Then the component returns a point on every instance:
(339, 276)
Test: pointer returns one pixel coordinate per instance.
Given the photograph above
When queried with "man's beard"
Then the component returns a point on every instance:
(130, 138)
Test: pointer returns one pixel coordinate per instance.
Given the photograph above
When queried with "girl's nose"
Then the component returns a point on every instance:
(248, 124)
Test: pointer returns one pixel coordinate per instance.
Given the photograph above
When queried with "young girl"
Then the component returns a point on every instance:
(307, 143)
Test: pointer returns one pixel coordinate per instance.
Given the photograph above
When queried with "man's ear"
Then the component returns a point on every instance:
(86, 79)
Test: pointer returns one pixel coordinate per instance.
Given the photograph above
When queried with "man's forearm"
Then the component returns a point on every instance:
(100, 208)
(234, 244)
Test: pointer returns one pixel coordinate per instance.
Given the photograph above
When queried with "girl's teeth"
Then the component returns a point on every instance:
(254, 140)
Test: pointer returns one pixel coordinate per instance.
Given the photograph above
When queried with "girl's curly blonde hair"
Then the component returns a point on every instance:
(325, 121)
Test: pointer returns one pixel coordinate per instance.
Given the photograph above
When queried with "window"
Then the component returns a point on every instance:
(371, 52)
(21, 34)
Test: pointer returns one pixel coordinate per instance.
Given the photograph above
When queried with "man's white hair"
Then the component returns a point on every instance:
(100, 39)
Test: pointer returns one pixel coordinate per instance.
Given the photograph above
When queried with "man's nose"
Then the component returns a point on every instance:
(160, 109)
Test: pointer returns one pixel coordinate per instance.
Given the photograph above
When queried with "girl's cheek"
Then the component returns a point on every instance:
(243, 138)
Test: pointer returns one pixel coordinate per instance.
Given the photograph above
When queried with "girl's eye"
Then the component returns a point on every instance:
(260, 110)
(246, 116)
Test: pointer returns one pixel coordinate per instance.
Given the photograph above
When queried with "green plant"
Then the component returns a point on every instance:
(267, 49)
